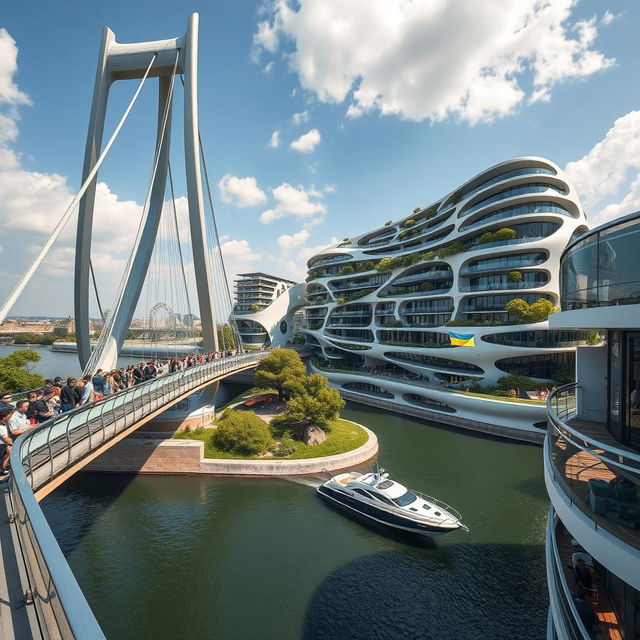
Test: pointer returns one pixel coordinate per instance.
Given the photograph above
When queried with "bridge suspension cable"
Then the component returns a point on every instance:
(108, 326)
(28, 274)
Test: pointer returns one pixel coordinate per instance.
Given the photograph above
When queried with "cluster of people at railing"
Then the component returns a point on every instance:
(57, 397)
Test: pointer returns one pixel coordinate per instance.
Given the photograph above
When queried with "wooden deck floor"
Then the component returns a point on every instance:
(578, 469)
(610, 628)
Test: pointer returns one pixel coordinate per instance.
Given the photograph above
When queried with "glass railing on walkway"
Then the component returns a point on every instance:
(602, 479)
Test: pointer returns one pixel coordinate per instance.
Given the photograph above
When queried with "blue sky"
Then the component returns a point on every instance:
(397, 103)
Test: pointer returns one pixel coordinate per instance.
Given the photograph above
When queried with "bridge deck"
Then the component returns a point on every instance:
(17, 620)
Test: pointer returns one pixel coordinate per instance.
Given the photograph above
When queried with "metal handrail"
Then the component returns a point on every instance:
(558, 579)
(62, 609)
(584, 442)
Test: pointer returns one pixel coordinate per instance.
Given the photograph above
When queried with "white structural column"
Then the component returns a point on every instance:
(204, 276)
(126, 61)
(85, 212)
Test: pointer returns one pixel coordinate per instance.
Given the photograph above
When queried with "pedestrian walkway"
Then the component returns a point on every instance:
(17, 620)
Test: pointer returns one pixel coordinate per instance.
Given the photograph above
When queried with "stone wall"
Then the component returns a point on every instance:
(169, 456)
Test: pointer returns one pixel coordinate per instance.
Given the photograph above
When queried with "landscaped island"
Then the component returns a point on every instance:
(297, 417)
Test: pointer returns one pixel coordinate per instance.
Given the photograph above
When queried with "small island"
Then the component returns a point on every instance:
(288, 416)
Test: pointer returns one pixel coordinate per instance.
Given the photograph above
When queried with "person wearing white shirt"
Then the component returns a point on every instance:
(18, 422)
(5, 441)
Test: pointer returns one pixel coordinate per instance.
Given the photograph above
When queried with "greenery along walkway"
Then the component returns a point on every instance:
(491, 396)
(342, 436)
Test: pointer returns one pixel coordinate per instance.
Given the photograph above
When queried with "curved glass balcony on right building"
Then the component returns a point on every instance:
(592, 449)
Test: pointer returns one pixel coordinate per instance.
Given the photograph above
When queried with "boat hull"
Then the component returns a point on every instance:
(380, 517)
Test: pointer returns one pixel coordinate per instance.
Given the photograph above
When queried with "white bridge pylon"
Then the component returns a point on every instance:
(117, 61)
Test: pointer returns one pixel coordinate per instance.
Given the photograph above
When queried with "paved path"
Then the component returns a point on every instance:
(17, 621)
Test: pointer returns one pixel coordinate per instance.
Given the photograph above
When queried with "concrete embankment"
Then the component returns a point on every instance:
(170, 456)
(503, 431)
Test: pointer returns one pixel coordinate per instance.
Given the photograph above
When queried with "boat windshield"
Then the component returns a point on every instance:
(405, 499)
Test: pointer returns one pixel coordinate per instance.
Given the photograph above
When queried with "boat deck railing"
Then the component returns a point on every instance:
(443, 505)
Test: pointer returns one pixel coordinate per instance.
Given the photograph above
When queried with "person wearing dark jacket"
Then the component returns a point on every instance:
(68, 396)
(38, 409)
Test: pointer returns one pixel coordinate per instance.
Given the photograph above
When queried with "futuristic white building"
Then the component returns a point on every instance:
(592, 449)
(381, 306)
(264, 308)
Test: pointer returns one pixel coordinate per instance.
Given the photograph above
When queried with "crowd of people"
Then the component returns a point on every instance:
(58, 397)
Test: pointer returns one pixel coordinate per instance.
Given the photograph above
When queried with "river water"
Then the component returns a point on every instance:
(235, 558)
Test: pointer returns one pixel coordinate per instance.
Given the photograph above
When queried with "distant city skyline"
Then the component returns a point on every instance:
(310, 132)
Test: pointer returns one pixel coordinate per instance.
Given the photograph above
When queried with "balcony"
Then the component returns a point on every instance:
(600, 476)
(560, 552)
(425, 275)
(503, 286)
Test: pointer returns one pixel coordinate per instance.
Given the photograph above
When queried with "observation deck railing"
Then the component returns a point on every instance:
(584, 453)
(45, 452)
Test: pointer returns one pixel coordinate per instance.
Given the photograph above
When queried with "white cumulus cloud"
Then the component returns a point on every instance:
(608, 166)
(307, 142)
(294, 240)
(296, 202)
(274, 141)
(241, 192)
(301, 117)
(431, 60)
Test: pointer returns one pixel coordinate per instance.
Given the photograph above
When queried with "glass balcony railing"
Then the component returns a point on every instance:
(498, 286)
(598, 474)
(427, 275)
(600, 269)
(572, 626)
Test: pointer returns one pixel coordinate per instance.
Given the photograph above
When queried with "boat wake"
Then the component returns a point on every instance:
(308, 481)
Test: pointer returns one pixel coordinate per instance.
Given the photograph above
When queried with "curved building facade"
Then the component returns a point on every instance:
(264, 309)
(381, 307)
(592, 449)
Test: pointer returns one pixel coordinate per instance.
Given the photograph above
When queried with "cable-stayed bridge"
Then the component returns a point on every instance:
(162, 272)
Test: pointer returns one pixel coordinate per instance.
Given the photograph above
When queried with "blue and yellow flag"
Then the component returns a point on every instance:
(462, 339)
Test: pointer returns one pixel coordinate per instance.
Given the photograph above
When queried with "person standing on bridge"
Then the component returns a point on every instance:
(5, 442)
(88, 393)
(38, 410)
(98, 382)
(68, 398)
(18, 422)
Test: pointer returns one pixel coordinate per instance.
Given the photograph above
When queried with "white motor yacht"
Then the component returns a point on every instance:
(378, 498)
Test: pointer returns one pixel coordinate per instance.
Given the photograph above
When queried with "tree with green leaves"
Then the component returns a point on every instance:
(278, 370)
(313, 402)
(226, 336)
(244, 433)
(15, 372)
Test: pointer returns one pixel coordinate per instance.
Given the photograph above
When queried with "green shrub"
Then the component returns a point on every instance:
(409, 223)
(243, 433)
(417, 209)
(486, 237)
(518, 382)
(388, 223)
(347, 269)
(285, 446)
(514, 276)
(505, 233)
(346, 239)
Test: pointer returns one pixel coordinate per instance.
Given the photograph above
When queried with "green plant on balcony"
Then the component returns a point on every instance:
(514, 276)
(254, 307)
(346, 239)
(409, 223)
(505, 233)
(347, 269)
(526, 313)
(388, 223)
(425, 286)
(502, 234)
(341, 300)
(417, 209)
(457, 246)
(384, 265)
